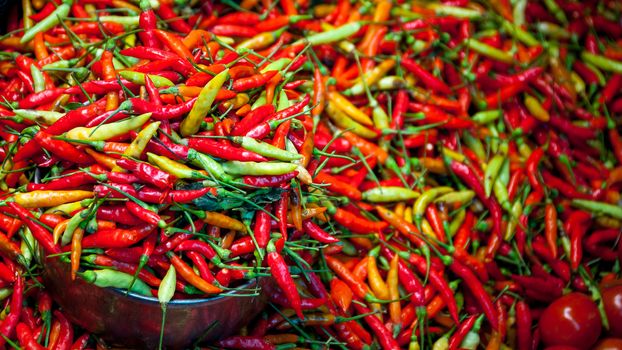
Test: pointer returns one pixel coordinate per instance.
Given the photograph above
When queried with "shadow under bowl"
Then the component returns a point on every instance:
(133, 320)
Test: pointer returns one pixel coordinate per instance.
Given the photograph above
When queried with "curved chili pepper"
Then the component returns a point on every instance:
(280, 272)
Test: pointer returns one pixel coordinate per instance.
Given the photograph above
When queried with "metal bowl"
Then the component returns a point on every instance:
(132, 320)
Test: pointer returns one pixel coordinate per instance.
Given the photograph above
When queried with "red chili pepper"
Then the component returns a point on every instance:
(118, 214)
(478, 291)
(408, 280)
(338, 186)
(280, 272)
(253, 118)
(166, 12)
(234, 30)
(384, 336)
(425, 77)
(197, 246)
(356, 223)
(253, 81)
(616, 142)
(463, 329)
(467, 175)
(317, 233)
(66, 333)
(26, 338)
(148, 173)
(262, 227)
(164, 112)
(223, 150)
(531, 168)
(148, 22)
(145, 214)
(39, 232)
(576, 226)
(523, 326)
(39, 98)
(81, 342)
(116, 238)
(242, 246)
(347, 335)
(10, 322)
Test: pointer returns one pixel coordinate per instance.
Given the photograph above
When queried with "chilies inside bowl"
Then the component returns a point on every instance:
(129, 319)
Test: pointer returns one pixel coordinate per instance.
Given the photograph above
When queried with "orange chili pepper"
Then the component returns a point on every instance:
(76, 251)
(175, 44)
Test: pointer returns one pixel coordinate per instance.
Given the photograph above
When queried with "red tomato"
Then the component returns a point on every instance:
(612, 300)
(561, 347)
(572, 320)
(609, 344)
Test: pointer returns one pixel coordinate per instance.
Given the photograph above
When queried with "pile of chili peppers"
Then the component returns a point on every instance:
(410, 174)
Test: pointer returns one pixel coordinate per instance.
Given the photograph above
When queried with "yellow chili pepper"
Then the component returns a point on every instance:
(395, 309)
(41, 199)
(343, 121)
(65, 209)
(348, 108)
(375, 279)
(136, 148)
(536, 109)
(191, 124)
(59, 229)
(181, 171)
(371, 77)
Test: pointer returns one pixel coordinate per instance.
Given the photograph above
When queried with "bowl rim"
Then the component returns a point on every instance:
(184, 302)
(154, 300)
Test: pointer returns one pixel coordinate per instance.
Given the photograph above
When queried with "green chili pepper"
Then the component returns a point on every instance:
(261, 100)
(127, 21)
(519, 12)
(516, 211)
(172, 167)
(191, 124)
(556, 10)
(37, 78)
(48, 22)
(277, 65)
(424, 200)
(457, 221)
(38, 116)
(489, 51)
(552, 30)
(254, 168)
(501, 193)
(333, 35)
(485, 117)
(265, 149)
(456, 197)
(520, 34)
(283, 101)
(208, 164)
(389, 194)
(602, 62)
(492, 171)
(166, 290)
(115, 279)
(455, 11)
(108, 131)
(599, 207)
(72, 225)
(139, 78)
(475, 145)
(472, 339)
